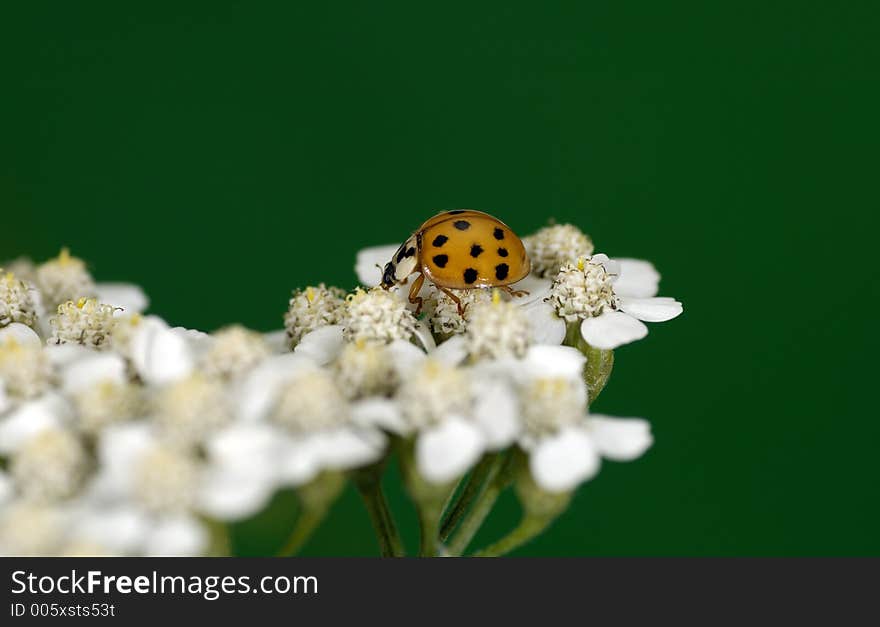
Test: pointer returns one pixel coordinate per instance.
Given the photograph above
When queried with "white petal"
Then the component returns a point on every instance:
(261, 386)
(620, 439)
(91, 369)
(249, 445)
(61, 355)
(451, 352)
(371, 261)
(128, 297)
(405, 356)
(322, 345)
(637, 278)
(277, 341)
(657, 309)
(119, 449)
(538, 289)
(118, 529)
(177, 536)
(299, 460)
(379, 413)
(446, 451)
(20, 333)
(546, 327)
(496, 412)
(553, 362)
(423, 336)
(561, 462)
(30, 418)
(229, 495)
(343, 449)
(612, 329)
(160, 354)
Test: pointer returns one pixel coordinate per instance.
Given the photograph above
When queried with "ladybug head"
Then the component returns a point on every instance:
(388, 276)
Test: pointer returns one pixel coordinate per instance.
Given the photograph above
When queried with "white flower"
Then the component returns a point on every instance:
(86, 322)
(365, 369)
(16, 301)
(497, 329)
(313, 308)
(66, 278)
(158, 353)
(554, 246)
(442, 311)
(25, 370)
(28, 419)
(105, 403)
(609, 307)
(454, 416)
(377, 316)
(146, 496)
(234, 350)
(293, 423)
(33, 529)
(49, 466)
(63, 279)
(564, 442)
(190, 409)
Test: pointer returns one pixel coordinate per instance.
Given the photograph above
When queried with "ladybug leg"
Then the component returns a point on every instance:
(513, 292)
(414, 297)
(455, 299)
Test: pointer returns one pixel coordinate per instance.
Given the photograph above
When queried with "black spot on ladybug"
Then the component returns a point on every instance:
(501, 271)
(470, 275)
(502, 252)
(440, 240)
(455, 212)
(441, 260)
(498, 233)
(462, 225)
(476, 250)
(410, 251)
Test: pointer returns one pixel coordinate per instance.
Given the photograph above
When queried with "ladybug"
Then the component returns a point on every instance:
(458, 250)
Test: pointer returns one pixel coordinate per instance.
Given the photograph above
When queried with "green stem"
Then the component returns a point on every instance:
(499, 476)
(369, 484)
(429, 525)
(308, 521)
(475, 517)
(476, 484)
(528, 528)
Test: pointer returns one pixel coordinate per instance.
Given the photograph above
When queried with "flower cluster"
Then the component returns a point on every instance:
(123, 435)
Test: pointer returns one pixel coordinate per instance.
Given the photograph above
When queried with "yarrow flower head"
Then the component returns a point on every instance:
(64, 278)
(16, 301)
(25, 369)
(311, 402)
(497, 329)
(164, 479)
(105, 403)
(51, 465)
(190, 409)
(443, 315)
(234, 351)
(31, 528)
(312, 308)
(583, 289)
(610, 298)
(365, 369)
(555, 246)
(376, 315)
(432, 393)
(86, 322)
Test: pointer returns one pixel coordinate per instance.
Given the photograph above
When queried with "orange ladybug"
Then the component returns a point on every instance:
(458, 250)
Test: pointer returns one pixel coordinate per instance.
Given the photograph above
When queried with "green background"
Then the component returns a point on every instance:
(222, 156)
